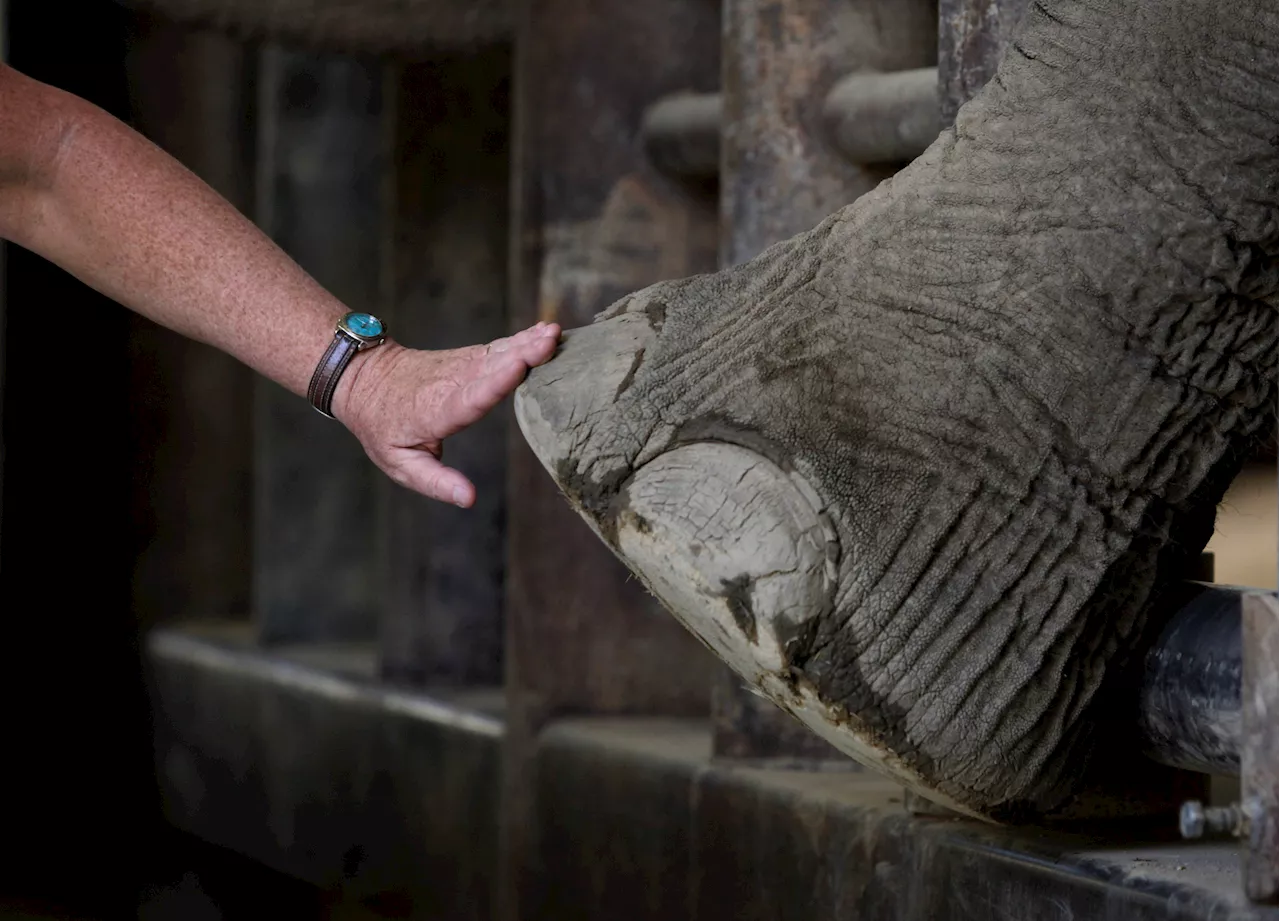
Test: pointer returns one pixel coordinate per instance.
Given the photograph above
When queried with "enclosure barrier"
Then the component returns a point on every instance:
(870, 118)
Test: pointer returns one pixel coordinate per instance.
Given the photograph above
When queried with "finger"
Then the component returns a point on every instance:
(467, 405)
(534, 335)
(423, 473)
(532, 349)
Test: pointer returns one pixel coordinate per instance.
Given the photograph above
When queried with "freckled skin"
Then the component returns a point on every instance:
(1016, 378)
(89, 194)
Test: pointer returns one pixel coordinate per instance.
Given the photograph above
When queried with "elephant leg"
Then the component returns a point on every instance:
(918, 474)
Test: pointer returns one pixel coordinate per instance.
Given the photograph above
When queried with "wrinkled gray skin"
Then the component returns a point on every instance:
(919, 472)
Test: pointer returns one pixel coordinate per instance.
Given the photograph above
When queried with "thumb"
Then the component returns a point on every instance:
(422, 472)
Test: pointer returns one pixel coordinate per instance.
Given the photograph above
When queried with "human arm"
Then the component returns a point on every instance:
(86, 192)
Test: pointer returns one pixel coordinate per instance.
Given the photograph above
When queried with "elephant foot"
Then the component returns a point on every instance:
(918, 474)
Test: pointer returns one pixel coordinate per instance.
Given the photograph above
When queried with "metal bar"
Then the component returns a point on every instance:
(191, 414)
(871, 118)
(682, 134)
(442, 616)
(972, 37)
(780, 176)
(1260, 749)
(592, 222)
(320, 189)
(884, 118)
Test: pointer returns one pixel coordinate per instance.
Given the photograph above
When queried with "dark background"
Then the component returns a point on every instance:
(80, 824)
(77, 805)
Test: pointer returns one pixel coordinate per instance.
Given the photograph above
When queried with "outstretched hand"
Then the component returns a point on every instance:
(403, 403)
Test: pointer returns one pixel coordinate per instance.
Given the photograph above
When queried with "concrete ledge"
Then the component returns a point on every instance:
(298, 759)
(636, 823)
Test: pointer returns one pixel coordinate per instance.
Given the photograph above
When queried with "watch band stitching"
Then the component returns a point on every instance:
(324, 382)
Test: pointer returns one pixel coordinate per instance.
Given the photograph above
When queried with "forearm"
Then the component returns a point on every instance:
(84, 191)
(112, 209)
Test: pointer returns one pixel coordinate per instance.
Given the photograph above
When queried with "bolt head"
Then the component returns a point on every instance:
(1191, 819)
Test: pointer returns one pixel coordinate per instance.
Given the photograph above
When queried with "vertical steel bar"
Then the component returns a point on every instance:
(779, 176)
(191, 406)
(442, 621)
(320, 189)
(972, 37)
(592, 221)
(1258, 748)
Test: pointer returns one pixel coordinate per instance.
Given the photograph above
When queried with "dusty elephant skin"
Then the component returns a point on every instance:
(918, 473)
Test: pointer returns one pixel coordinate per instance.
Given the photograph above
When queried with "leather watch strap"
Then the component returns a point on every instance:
(329, 371)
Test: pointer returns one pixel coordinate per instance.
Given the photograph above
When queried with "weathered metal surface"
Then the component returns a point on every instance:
(323, 157)
(592, 222)
(1189, 710)
(884, 118)
(301, 760)
(780, 175)
(190, 420)
(870, 118)
(682, 134)
(972, 37)
(349, 25)
(1259, 751)
(442, 615)
(666, 834)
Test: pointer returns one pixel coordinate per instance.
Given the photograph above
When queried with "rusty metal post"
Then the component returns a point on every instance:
(322, 164)
(1259, 748)
(190, 423)
(592, 221)
(779, 176)
(972, 37)
(442, 618)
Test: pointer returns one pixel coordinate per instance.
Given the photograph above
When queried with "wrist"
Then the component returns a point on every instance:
(355, 333)
(362, 380)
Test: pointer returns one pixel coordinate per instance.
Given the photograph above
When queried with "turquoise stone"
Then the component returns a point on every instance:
(364, 324)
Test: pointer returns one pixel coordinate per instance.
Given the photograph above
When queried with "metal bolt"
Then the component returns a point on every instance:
(1196, 820)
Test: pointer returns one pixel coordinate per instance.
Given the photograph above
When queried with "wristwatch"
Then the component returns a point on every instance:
(355, 333)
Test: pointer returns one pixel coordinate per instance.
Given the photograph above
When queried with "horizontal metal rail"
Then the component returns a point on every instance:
(870, 118)
(884, 118)
(681, 134)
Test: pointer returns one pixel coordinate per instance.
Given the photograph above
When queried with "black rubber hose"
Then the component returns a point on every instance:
(1189, 703)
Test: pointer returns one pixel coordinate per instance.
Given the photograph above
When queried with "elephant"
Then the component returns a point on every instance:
(921, 474)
